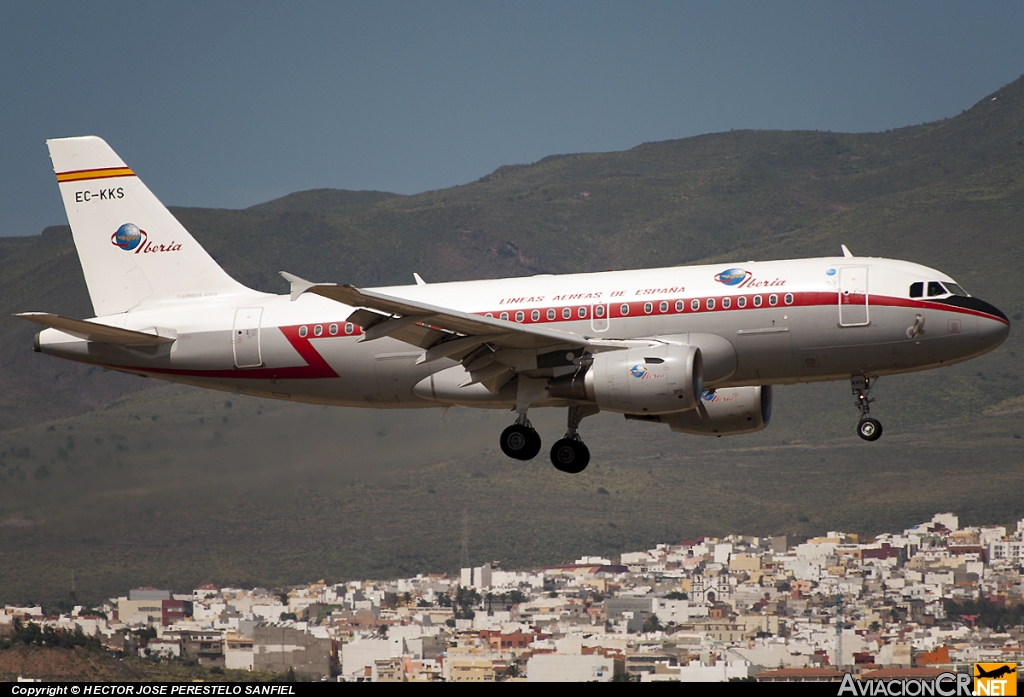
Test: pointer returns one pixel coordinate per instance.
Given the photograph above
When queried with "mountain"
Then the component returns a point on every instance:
(140, 482)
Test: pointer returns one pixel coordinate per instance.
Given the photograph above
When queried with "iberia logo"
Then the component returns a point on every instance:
(642, 372)
(995, 679)
(741, 278)
(130, 237)
(732, 277)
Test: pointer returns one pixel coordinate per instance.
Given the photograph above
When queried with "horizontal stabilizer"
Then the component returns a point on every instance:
(91, 331)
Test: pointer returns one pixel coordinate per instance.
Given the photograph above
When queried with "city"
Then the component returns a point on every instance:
(932, 598)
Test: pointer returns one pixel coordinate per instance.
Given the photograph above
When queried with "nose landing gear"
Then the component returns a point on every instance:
(867, 428)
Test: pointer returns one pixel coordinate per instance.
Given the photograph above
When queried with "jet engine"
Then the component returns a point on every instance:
(729, 412)
(656, 380)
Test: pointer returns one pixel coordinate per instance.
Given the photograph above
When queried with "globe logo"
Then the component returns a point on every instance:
(638, 371)
(732, 277)
(128, 237)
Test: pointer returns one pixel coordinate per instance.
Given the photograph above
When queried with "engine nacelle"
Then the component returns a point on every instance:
(656, 380)
(730, 411)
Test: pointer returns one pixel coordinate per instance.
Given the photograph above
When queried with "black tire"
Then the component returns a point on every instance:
(534, 446)
(520, 442)
(869, 429)
(570, 456)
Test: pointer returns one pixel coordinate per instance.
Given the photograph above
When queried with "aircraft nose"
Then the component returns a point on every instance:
(994, 329)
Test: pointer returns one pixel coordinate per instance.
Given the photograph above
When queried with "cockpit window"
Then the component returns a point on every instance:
(955, 289)
(935, 288)
(917, 289)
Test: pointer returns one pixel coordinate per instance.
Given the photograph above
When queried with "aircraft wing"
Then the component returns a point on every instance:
(93, 331)
(488, 347)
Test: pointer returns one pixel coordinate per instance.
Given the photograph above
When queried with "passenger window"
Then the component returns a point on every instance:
(566, 312)
(726, 303)
(504, 317)
(551, 314)
(520, 316)
(624, 310)
(742, 301)
(917, 289)
(648, 307)
(599, 311)
(679, 305)
(582, 312)
(535, 315)
(663, 307)
(935, 288)
(695, 304)
(710, 303)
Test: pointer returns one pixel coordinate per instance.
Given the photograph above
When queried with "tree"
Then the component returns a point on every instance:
(651, 623)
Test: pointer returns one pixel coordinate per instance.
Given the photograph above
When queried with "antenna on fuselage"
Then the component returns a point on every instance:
(846, 252)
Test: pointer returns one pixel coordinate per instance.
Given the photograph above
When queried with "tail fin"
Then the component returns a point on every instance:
(132, 250)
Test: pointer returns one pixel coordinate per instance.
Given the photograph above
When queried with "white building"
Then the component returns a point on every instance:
(554, 667)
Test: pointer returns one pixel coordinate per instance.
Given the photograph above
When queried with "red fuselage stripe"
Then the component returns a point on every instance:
(317, 367)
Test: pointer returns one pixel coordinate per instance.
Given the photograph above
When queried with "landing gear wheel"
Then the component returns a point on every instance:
(520, 442)
(570, 456)
(869, 429)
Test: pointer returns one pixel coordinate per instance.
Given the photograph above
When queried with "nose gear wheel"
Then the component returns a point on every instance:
(869, 429)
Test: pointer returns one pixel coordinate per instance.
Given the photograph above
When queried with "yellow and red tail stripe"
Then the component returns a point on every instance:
(103, 173)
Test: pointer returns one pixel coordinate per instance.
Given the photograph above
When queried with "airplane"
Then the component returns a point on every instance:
(1004, 669)
(697, 348)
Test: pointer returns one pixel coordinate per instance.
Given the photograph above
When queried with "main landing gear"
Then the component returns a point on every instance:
(569, 454)
(521, 442)
(867, 428)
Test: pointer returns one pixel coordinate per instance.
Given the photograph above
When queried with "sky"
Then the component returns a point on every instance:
(229, 104)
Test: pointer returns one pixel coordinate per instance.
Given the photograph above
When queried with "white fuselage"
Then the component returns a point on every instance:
(787, 321)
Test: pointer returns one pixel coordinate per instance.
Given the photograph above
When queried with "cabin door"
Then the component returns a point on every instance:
(245, 338)
(853, 296)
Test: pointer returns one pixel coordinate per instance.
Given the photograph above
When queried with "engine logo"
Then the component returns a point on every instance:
(638, 371)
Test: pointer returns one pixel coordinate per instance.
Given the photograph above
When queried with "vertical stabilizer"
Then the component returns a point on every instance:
(132, 250)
